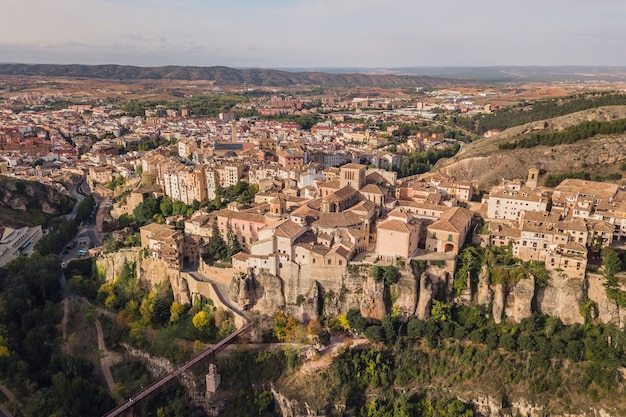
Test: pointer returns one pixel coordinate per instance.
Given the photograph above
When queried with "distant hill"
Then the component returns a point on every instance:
(225, 76)
(484, 161)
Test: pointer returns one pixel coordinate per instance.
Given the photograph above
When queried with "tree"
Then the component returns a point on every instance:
(201, 320)
(216, 249)
(356, 320)
(234, 246)
(440, 311)
(166, 206)
(374, 334)
(176, 310)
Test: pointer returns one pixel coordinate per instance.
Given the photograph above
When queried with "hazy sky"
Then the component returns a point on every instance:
(314, 33)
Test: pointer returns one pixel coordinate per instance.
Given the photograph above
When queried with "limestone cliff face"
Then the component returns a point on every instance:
(519, 300)
(111, 263)
(608, 310)
(21, 195)
(561, 298)
(425, 297)
(404, 293)
(484, 292)
(262, 292)
(308, 306)
(499, 296)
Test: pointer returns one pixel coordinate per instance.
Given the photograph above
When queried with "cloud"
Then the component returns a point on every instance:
(315, 33)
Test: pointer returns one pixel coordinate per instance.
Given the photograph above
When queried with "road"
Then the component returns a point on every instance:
(79, 190)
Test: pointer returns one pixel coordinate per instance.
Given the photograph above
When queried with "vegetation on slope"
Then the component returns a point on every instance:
(222, 75)
(32, 363)
(584, 130)
(540, 110)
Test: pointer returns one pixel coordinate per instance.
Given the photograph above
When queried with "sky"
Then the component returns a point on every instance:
(314, 33)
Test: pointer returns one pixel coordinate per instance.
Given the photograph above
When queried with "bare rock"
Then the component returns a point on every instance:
(484, 293)
(268, 294)
(307, 306)
(372, 302)
(425, 297)
(561, 298)
(404, 292)
(498, 302)
(608, 310)
(519, 301)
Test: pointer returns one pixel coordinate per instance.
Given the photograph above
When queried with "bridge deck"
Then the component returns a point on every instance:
(164, 381)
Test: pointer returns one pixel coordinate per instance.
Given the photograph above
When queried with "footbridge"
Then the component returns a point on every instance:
(132, 405)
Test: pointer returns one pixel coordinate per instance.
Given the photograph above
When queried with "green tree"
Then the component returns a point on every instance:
(233, 245)
(166, 206)
(217, 249)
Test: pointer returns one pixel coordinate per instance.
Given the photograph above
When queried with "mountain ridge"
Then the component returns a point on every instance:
(225, 76)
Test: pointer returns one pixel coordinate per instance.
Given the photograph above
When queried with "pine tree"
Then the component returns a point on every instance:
(217, 247)
(234, 246)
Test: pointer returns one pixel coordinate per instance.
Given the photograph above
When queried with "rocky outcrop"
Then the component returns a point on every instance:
(499, 296)
(291, 408)
(110, 264)
(404, 293)
(520, 298)
(561, 298)
(241, 290)
(425, 297)
(484, 292)
(21, 195)
(307, 306)
(608, 310)
(262, 292)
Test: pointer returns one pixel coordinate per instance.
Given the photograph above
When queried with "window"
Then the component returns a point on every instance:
(328, 262)
(339, 262)
(449, 238)
(434, 235)
(313, 260)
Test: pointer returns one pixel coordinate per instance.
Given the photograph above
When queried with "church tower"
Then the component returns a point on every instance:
(533, 176)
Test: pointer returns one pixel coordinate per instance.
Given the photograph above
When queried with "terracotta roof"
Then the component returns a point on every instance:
(343, 219)
(336, 184)
(353, 166)
(453, 220)
(240, 215)
(341, 194)
(524, 193)
(286, 228)
(396, 226)
(373, 189)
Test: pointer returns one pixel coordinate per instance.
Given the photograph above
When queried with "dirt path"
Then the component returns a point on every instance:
(329, 352)
(66, 315)
(11, 397)
(107, 358)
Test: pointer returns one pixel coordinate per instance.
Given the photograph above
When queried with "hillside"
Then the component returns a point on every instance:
(224, 76)
(28, 203)
(486, 163)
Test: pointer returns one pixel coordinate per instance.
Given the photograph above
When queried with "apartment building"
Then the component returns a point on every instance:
(509, 200)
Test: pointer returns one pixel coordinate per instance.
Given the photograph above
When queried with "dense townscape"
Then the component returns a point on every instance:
(313, 216)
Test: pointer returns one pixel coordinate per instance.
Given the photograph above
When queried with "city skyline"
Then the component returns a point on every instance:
(314, 33)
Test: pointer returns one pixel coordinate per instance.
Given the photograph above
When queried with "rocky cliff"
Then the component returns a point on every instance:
(21, 199)
(336, 290)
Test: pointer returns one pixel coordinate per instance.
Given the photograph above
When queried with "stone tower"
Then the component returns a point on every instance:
(533, 176)
(213, 380)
